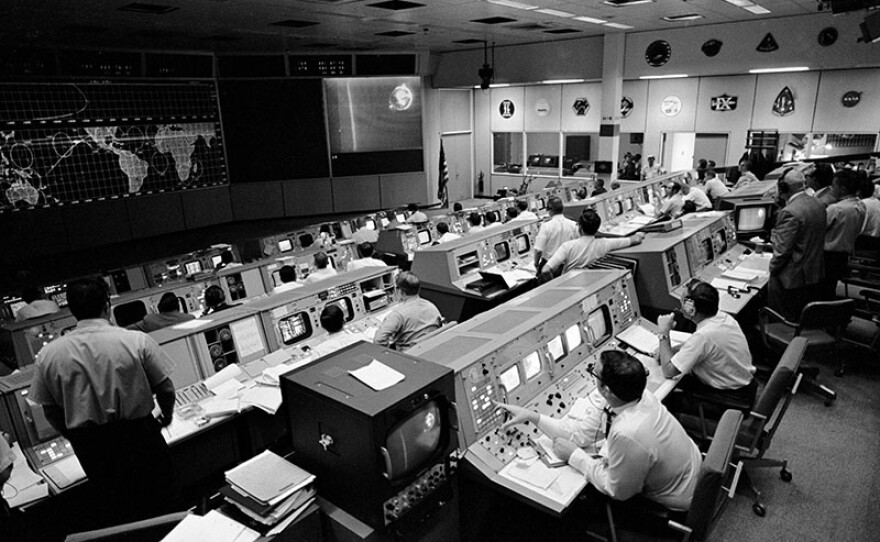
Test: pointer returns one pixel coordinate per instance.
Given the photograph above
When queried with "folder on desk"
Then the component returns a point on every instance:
(268, 478)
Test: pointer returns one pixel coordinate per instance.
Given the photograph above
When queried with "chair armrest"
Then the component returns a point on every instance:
(765, 314)
(767, 311)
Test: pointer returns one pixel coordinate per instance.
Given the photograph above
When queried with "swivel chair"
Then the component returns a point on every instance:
(756, 433)
(710, 494)
(822, 323)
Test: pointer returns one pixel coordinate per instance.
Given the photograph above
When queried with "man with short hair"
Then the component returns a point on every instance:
(715, 359)
(746, 177)
(714, 187)
(671, 206)
(524, 212)
(36, 305)
(555, 231)
(696, 195)
(287, 274)
(646, 451)
(491, 219)
(823, 179)
(413, 318)
(843, 224)
(871, 227)
(415, 215)
(599, 188)
(169, 314)
(215, 300)
(323, 269)
(364, 234)
(798, 238)
(650, 171)
(96, 385)
(445, 234)
(367, 259)
(333, 321)
(586, 249)
(475, 219)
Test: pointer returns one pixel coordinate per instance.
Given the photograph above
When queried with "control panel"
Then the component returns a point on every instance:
(416, 492)
(21, 342)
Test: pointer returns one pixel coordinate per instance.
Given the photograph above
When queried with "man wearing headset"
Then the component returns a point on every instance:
(798, 237)
(715, 359)
(646, 450)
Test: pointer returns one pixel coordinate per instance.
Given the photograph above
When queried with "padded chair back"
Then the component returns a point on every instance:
(770, 405)
(825, 314)
(148, 530)
(708, 495)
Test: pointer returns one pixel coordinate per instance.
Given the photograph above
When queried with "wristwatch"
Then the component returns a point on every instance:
(661, 336)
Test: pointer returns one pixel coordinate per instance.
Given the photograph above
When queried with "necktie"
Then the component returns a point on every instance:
(609, 417)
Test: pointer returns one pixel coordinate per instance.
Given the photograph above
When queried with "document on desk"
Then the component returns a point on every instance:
(24, 486)
(213, 527)
(535, 473)
(224, 381)
(266, 398)
(723, 284)
(645, 341)
(377, 375)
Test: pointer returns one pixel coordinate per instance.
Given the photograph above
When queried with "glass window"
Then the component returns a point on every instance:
(573, 337)
(543, 153)
(507, 152)
(532, 364)
(510, 379)
(556, 348)
(579, 152)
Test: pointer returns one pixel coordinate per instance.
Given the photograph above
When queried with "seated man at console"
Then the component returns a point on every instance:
(475, 219)
(323, 269)
(215, 300)
(445, 234)
(524, 213)
(671, 206)
(333, 320)
(646, 450)
(169, 314)
(413, 318)
(287, 274)
(715, 360)
(586, 249)
(367, 259)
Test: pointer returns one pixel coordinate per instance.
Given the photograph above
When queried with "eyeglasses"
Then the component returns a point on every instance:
(592, 373)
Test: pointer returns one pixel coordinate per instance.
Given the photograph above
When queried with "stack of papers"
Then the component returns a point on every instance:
(269, 490)
(377, 375)
(648, 343)
(213, 527)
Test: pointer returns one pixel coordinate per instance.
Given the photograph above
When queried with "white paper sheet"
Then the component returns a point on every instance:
(746, 275)
(24, 486)
(535, 473)
(263, 397)
(722, 284)
(645, 341)
(230, 372)
(213, 527)
(246, 334)
(377, 375)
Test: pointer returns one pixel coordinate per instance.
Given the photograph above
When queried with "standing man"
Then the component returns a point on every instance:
(323, 269)
(555, 231)
(716, 358)
(843, 221)
(169, 314)
(412, 319)
(798, 239)
(586, 249)
(823, 178)
(650, 171)
(647, 452)
(96, 386)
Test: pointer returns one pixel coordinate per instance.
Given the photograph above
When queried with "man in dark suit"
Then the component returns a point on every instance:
(798, 240)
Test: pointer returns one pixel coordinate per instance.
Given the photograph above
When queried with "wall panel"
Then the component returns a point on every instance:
(257, 201)
(307, 197)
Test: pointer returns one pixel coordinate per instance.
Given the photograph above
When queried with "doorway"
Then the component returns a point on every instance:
(710, 147)
(458, 162)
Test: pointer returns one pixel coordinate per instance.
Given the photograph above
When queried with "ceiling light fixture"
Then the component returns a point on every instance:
(513, 4)
(620, 26)
(670, 76)
(749, 6)
(590, 20)
(555, 13)
(780, 70)
(681, 18)
(561, 81)
(624, 3)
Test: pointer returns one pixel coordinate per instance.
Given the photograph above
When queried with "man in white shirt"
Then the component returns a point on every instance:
(323, 269)
(716, 358)
(671, 206)
(491, 219)
(475, 219)
(555, 231)
(287, 274)
(411, 319)
(746, 177)
(646, 451)
(364, 234)
(445, 234)
(367, 258)
(696, 195)
(415, 216)
(650, 171)
(333, 321)
(36, 305)
(586, 249)
(715, 188)
(524, 212)
(871, 227)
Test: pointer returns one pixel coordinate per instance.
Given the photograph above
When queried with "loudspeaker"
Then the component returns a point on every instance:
(871, 28)
(636, 138)
(602, 167)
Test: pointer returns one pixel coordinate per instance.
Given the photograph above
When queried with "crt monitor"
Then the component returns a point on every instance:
(599, 325)
(216, 260)
(541, 204)
(753, 218)
(306, 240)
(345, 304)
(385, 221)
(369, 223)
(285, 245)
(193, 267)
(295, 328)
(522, 244)
(502, 251)
(424, 237)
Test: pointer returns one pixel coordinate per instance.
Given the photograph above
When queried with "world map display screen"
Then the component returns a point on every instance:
(63, 143)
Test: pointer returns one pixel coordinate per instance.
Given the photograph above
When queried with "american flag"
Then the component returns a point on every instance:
(442, 192)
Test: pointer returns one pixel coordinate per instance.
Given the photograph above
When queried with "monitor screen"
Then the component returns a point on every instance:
(720, 242)
(285, 245)
(628, 204)
(502, 251)
(414, 441)
(343, 303)
(400, 217)
(532, 365)
(217, 260)
(424, 237)
(556, 348)
(541, 204)
(16, 306)
(248, 339)
(370, 224)
(599, 325)
(522, 244)
(306, 240)
(618, 208)
(193, 267)
(707, 252)
(57, 293)
(295, 328)
(573, 337)
(385, 222)
(751, 219)
(510, 379)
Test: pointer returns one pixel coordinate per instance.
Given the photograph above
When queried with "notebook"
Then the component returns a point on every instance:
(268, 478)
